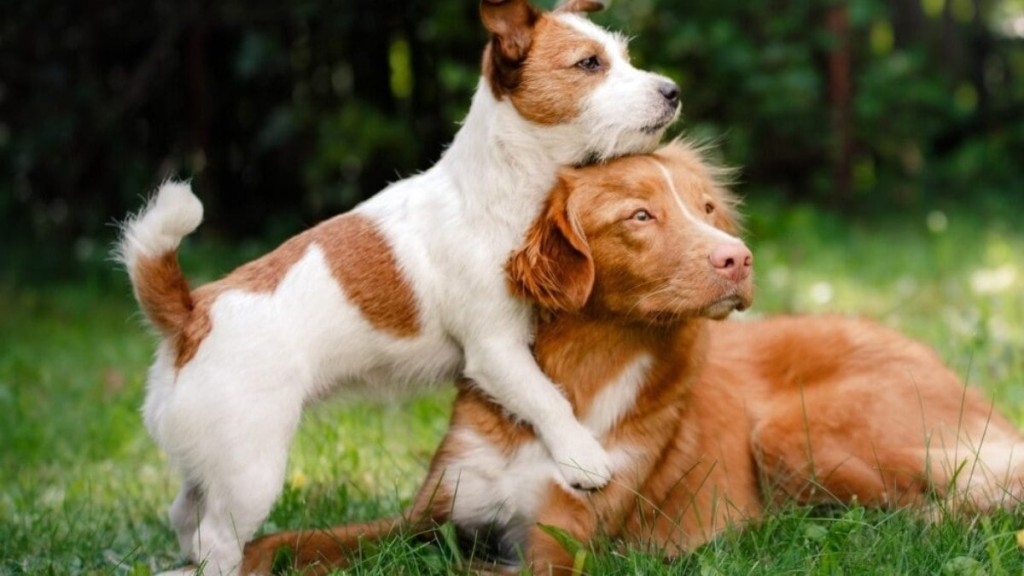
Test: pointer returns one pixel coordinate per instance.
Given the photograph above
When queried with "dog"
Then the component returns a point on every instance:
(405, 289)
(632, 262)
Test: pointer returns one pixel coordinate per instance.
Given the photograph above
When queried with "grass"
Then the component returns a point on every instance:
(84, 490)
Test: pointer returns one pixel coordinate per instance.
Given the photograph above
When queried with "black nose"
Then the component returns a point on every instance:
(670, 91)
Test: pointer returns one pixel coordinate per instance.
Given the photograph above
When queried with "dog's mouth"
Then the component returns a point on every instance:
(715, 310)
(652, 129)
(726, 305)
(667, 117)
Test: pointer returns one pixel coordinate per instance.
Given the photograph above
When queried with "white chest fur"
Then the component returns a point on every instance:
(492, 487)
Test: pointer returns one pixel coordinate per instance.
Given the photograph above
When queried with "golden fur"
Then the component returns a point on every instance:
(805, 409)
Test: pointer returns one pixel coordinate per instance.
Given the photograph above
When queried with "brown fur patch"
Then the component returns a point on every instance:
(360, 259)
(163, 291)
(511, 26)
(551, 86)
(363, 263)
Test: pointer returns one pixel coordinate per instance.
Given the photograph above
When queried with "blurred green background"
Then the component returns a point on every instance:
(880, 148)
(283, 113)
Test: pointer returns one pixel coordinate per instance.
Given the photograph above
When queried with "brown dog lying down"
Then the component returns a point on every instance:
(631, 261)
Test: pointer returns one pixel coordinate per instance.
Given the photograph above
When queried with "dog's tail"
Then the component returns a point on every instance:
(148, 248)
(317, 550)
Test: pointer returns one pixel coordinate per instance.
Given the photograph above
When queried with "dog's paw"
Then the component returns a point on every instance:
(584, 463)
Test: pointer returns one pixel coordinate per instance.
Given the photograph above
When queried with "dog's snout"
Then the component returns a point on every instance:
(670, 91)
(732, 261)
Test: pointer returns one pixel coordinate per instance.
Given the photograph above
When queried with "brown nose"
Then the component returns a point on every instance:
(732, 261)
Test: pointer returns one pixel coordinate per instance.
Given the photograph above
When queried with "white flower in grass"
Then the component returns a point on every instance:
(778, 277)
(936, 222)
(821, 292)
(993, 280)
(1001, 331)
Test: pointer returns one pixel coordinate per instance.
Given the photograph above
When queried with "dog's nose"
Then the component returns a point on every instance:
(732, 261)
(670, 91)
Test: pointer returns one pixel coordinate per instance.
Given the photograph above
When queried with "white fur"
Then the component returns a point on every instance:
(227, 417)
(489, 486)
(615, 401)
(701, 224)
(984, 471)
(170, 216)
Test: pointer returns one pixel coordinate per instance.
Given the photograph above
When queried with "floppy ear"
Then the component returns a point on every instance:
(554, 267)
(581, 6)
(510, 23)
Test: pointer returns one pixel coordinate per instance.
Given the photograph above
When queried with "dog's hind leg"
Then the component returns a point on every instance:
(816, 460)
(981, 478)
(231, 441)
(185, 513)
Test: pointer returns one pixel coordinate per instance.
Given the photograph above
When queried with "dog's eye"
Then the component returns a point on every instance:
(642, 216)
(709, 208)
(590, 64)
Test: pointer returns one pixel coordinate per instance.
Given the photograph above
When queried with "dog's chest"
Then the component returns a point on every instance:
(499, 490)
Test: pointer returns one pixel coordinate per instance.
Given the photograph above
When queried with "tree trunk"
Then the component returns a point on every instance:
(840, 97)
(908, 22)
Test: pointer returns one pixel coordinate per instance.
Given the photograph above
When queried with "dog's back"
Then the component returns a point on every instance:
(887, 422)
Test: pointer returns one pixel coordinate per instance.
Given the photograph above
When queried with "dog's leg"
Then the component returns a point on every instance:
(185, 513)
(583, 516)
(978, 477)
(504, 369)
(319, 551)
(236, 504)
(805, 454)
(563, 513)
(882, 439)
(230, 430)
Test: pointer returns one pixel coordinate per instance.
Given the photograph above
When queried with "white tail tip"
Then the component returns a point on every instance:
(173, 213)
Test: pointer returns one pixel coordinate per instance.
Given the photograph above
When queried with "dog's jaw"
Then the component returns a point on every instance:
(720, 309)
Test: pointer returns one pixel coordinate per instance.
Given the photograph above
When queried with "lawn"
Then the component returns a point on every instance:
(84, 490)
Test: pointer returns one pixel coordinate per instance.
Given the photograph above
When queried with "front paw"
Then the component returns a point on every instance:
(584, 463)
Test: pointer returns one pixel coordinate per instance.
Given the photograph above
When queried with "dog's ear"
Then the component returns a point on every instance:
(554, 267)
(510, 23)
(581, 6)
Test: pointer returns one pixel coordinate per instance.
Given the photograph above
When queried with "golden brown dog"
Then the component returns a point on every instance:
(632, 260)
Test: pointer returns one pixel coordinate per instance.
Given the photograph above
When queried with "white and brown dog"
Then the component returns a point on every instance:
(407, 288)
(632, 259)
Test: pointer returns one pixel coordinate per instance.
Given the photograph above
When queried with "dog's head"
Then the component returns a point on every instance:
(559, 69)
(648, 237)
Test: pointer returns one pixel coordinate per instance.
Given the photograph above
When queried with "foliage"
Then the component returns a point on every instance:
(925, 101)
(282, 114)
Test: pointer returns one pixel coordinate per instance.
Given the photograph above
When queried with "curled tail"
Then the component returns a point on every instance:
(149, 250)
